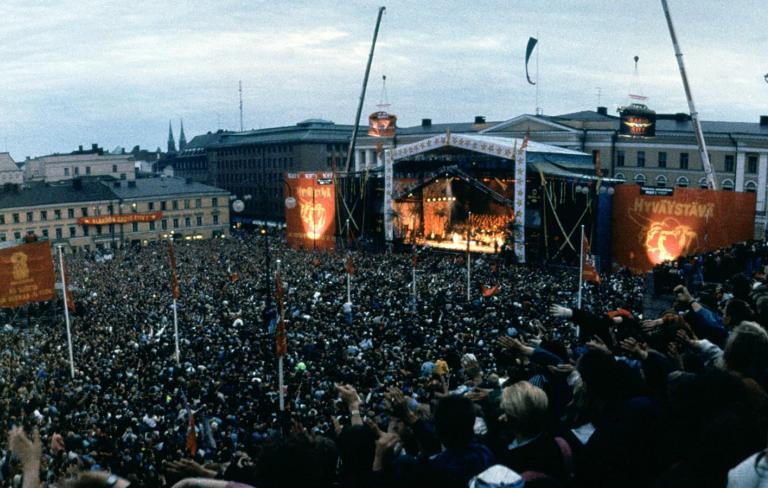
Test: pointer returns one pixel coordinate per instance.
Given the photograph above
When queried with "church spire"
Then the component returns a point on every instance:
(182, 138)
(171, 142)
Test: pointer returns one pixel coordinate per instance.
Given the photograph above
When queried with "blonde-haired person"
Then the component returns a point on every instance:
(527, 446)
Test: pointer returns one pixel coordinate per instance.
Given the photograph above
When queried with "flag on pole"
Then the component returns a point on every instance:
(191, 434)
(350, 267)
(281, 343)
(588, 270)
(174, 279)
(528, 51)
(69, 299)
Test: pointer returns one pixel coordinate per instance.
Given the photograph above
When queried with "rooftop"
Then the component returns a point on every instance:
(162, 187)
(7, 163)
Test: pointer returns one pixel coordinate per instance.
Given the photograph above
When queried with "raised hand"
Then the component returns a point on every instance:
(560, 311)
(597, 344)
(634, 348)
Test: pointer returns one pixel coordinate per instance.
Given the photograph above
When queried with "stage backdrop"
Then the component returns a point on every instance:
(310, 210)
(652, 225)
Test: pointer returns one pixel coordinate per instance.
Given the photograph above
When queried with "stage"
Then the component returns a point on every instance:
(460, 245)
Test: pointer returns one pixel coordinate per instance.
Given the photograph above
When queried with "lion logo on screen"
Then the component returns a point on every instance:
(20, 267)
(314, 218)
(667, 240)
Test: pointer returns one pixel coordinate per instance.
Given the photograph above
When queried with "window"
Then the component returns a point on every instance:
(2, 236)
(135, 226)
(186, 204)
(752, 163)
(198, 202)
(57, 214)
(187, 222)
(164, 224)
(114, 168)
(641, 159)
(682, 182)
(17, 235)
(30, 216)
(66, 171)
(727, 185)
(729, 163)
(98, 230)
(85, 230)
(72, 231)
(2, 219)
(70, 213)
(58, 233)
(199, 221)
(15, 218)
(214, 202)
(662, 159)
(122, 176)
(87, 170)
(76, 170)
(45, 233)
(215, 220)
(110, 209)
(661, 181)
(151, 225)
(163, 205)
(150, 206)
(84, 211)
(175, 204)
(620, 158)
(683, 160)
(750, 187)
(703, 183)
(43, 215)
(175, 223)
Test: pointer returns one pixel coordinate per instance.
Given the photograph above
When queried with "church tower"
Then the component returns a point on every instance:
(182, 138)
(171, 141)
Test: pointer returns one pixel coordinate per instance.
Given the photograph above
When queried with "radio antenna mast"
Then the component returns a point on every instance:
(708, 171)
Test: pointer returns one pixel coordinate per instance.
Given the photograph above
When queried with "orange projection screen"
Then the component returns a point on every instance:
(310, 210)
(649, 229)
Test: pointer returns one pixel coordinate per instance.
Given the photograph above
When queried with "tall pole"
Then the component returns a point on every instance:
(280, 375)
(351, 149)
(469, 257)
(703, 154)
(349, 288)
(176, 332)
(581, 267)
(66, 314)
(413, 281)
(240, 90)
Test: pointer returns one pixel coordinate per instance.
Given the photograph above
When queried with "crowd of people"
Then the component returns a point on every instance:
(514, 387)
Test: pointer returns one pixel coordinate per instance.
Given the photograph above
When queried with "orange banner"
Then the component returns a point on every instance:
(382, 124)
(310, 210)
(121, 218)
(26, 274)
(651, 228)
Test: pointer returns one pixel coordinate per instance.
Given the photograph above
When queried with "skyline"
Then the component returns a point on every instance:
(78, 73)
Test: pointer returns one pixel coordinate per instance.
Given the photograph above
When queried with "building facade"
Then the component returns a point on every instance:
(738, 151)
(90, 214)
(251, 164)
(9, 171)
(94, 162)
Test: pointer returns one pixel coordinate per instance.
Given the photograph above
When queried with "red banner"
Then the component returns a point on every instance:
(26, 274)
(649, 229)
(588, 270)
(121, 218)
(310, 210)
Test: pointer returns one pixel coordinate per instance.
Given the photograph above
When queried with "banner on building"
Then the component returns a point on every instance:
(310, 210)
(382, 124)
(121, 218)
(650, 229)
(637, 121)
(26, 274)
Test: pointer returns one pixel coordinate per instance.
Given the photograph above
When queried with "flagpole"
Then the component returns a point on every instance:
(469, 256)
(413, 277)
(581, 267)
(66, 314)
(176, 332)
(280, 375)
(349, 288)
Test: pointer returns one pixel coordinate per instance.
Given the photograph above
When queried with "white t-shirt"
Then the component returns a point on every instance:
(746, 475)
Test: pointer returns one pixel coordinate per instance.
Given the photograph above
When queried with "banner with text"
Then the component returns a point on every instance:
(652, 228)
(120, 218)
(26, 274)
(310, 210)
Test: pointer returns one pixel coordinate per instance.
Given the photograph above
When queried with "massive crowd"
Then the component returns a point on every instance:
(516, 386)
